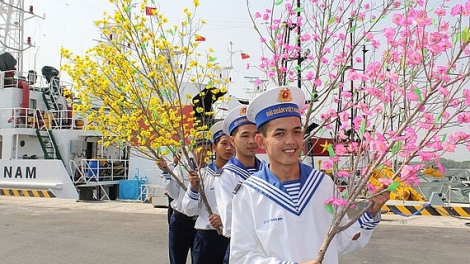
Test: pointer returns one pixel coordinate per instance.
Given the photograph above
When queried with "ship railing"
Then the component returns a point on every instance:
(60, 119)
(104, 169)
(36, 82)
(20, 117)
(76, 173)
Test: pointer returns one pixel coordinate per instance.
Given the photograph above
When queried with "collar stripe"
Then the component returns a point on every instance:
(235, 169)
(309, 188)
(278, 196)
(273, 194)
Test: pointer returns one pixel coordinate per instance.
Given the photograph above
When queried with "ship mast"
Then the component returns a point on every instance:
(12, 20)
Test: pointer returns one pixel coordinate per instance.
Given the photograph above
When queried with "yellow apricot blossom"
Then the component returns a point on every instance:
(132, 86)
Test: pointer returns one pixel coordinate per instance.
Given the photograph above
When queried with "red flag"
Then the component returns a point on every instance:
(244, 56)
(149, 11)
(199, 38)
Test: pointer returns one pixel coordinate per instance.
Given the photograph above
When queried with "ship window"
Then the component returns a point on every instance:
(33, 103)
(22, 143)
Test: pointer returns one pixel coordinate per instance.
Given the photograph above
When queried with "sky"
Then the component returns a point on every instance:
(69, 24)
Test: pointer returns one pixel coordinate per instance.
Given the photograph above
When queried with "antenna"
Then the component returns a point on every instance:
(230, 50)
(12, 19)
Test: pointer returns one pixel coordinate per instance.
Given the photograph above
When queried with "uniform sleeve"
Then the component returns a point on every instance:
(223, 189)
(244, 244)
(190, 202)
(172, 186)
(363, 226)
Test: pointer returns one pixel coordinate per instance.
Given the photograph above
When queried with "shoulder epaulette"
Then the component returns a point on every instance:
(219, 171)
(239, 184)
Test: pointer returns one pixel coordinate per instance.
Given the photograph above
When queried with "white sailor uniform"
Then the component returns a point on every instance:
(209, 246)
(276, 229)
(181, 230)
(192, 205)
(231, 174)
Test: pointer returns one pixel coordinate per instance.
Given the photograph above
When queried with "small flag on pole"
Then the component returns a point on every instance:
(245, 56)
(199, 38)
(150, 11)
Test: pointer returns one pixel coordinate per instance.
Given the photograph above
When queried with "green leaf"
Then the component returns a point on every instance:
(313, 95)
(331, 151)
(329, 208)
(444, 138)
(298, 67)
(465, 34)
(353, 28)
(380, 167)
(345, 195)
(363, 126)
(272, 44)
(457, 37)
(299, 9)
(393, 186)
(279, 2)
(302, 153)
(396, 147)
(418, 93)
(331, 20)
(437, 119)
(211, 59)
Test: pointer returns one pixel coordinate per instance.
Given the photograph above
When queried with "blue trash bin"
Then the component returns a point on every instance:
(129, 189)
(94, 169)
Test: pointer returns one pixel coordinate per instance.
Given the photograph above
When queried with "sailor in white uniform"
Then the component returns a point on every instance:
(209, 246)
(242, 134)
(279, 214)
(181, 229)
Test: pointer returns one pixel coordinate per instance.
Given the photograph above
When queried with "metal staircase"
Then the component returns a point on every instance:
(44, 132)
(51, 96)
(48, 144)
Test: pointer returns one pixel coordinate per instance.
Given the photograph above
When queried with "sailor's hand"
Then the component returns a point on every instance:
(215, 220)
(378, 200)
(193, 178)
(163, 165)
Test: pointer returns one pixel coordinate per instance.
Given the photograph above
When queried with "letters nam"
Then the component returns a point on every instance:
(28, 172)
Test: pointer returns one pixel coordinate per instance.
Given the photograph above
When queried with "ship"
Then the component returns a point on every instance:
(44, 149)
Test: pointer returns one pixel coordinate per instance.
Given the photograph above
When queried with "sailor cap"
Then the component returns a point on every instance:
(217, 130)
(235, 118)
(274, 103)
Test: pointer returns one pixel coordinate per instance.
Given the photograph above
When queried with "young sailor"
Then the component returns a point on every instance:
(279, 214)
(209, 246)
(242, 135)
(181, 229)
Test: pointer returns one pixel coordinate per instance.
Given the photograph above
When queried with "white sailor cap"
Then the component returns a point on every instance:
(235, 118)
(275, 103)
(217, 130)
